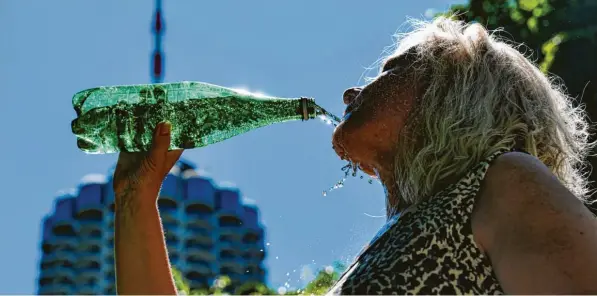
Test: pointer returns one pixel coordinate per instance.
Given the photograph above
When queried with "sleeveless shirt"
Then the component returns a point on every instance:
(427, 250)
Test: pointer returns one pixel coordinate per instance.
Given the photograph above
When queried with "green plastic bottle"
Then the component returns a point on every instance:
(122, 118)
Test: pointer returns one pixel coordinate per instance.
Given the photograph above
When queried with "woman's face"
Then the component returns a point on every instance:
(374, 118)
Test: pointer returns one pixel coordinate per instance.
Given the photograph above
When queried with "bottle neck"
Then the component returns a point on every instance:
(307, 109)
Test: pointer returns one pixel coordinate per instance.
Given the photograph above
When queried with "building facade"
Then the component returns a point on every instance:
(209, 232)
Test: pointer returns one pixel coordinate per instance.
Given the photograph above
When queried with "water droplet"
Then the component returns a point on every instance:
(325, 193)
(267, 244)
(288, 274)
(261, 250)
(329, 269)
(277, 257)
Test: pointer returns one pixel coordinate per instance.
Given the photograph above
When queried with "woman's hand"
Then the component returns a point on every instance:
(145, 171)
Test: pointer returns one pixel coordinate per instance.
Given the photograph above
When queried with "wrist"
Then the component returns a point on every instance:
(133, 198)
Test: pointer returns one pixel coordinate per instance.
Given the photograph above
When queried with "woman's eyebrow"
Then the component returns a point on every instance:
(402, 59)
(391, 63)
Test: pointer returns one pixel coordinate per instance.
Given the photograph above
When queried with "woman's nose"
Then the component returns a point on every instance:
(350, 94)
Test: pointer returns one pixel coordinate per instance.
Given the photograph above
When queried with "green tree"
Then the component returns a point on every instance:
(324, 280)
(560, 35)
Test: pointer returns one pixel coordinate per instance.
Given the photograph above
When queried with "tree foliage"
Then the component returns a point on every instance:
(559, 35)
(324, 280)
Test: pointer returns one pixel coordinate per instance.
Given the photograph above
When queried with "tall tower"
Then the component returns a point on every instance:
(209, 232)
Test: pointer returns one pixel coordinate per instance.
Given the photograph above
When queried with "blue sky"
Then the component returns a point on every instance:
(51, 49)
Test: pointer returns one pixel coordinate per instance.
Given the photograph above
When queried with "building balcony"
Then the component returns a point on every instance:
(109, 220)
(174, 258)
(46, 277)
(229, 248)
(88, 290)
(90, 229)
(65, 232)
(172, 188)
(65, 242)
(230, 255)
(198, 280)
(109, 258)
(173, 250)
(171, 225)
(110, 276)
(230, 228)
(85, 259)
(231, 268)
(56, 289)
(228, 203)
(90, 246)
(62, 220)
(110, 289)
(255, 273)
(63, 257)
(88, 204)
(230, 212)
(254, 252)
(47, 260)
(230, 235)
(200, 190)
(168, 208)
(90, 268)
(46, 227)
(109, 240)
(66, 278)
(200, 216)
(200, 236)
(88, 260)
(173, 238)
(87, 283)
(253, 236)
(47, 246)
(199, 265)
(201, 252)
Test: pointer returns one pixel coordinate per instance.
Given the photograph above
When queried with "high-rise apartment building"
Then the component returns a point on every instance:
(209, 233)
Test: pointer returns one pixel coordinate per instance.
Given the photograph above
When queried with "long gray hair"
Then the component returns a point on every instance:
(482, 95)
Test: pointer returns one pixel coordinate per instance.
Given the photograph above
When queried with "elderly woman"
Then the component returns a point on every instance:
(482, 159)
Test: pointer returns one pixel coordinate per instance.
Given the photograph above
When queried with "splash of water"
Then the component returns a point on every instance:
(350, 169)
(328, 117)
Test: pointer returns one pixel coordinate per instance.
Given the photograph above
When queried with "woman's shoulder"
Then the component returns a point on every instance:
(515, 185)
(526, 219)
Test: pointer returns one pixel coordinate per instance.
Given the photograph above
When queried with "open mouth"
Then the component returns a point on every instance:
(348, 111)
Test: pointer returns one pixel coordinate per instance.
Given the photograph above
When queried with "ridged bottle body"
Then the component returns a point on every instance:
(122, 118)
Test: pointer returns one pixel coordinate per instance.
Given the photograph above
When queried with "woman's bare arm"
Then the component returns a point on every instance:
(540, 238)
(142, 265)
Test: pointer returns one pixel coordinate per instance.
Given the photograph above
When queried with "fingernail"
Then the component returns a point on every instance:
(165, 128)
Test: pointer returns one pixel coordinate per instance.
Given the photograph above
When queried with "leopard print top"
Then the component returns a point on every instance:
(428, 249)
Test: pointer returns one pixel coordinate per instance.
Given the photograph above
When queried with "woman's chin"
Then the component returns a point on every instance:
(369, 171)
